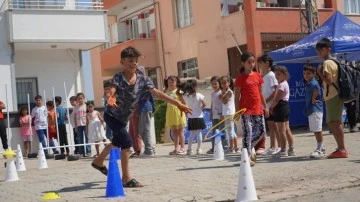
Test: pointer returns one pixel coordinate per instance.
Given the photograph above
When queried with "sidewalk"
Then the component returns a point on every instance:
(199, 178)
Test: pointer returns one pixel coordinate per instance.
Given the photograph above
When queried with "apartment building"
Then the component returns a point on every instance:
(201, 38)
(40, 49)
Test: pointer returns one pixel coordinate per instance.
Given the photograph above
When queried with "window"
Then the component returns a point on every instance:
(147, 21)
(183, 12)
(352, 6)
(230, 6)
(152, 74)
(25, 86)
(134, 28)
(188, 69)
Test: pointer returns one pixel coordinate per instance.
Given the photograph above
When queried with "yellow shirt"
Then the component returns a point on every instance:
(330, 67)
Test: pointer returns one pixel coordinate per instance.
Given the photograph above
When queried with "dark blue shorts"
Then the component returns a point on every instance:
(121, 137)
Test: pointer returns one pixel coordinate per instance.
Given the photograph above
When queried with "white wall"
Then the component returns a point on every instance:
(5, 62)
(79, 26)
(51, 68)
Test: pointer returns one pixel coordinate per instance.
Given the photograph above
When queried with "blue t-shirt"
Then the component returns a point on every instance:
(309, 88)
(61, 112)
(127, 95)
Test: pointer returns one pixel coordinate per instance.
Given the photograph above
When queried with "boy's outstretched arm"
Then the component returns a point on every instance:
(162, 96)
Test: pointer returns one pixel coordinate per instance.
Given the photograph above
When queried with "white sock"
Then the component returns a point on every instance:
(191, 139)
(319, 146)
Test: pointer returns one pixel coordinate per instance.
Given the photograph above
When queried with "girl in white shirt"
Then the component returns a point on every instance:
(228, 111)
(196, 121)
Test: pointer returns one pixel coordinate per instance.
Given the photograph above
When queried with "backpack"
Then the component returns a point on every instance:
(349, 82)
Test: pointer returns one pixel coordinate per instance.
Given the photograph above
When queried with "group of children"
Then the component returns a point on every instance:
(265, 97)
(88, 125)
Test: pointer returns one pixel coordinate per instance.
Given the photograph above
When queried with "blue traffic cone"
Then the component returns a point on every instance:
(118, 154)
(114, 186)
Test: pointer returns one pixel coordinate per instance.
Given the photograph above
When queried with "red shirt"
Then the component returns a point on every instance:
(250, 87)
(1, 114)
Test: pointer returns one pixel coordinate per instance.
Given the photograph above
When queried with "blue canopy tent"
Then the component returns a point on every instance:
(343, 33)
(345, 37)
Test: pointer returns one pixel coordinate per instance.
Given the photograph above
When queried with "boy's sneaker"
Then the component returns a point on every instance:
(211, 151)
(237, 150)
(338, 154)
(189, 152)
(317, 154)
(291, 152)
(199, 151)
(229, 150)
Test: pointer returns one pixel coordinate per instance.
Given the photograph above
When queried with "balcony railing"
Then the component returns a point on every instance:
(52, 4)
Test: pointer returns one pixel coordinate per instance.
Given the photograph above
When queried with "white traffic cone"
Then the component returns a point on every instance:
(218, 148)
(246, 186)
(41, 158)
(20, 165)
(10, 172)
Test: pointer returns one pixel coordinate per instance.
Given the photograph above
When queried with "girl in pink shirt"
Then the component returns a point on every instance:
(25, 131)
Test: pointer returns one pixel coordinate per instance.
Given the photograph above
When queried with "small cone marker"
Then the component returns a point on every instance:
(41, 158)
(246, 187)
(10, 172)
(20, 165)
(50, 196)
(218, 148)
(114, 186)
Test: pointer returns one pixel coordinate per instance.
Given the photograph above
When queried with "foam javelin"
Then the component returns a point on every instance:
(240, 112)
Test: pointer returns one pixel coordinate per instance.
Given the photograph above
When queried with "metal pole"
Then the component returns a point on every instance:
(31, 132)
(69, 128)
(56, 118)
(47, 124)
(8, 116)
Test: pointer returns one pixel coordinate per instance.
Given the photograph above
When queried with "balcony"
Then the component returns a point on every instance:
(61, 24)
(110, 58)
(284, 19)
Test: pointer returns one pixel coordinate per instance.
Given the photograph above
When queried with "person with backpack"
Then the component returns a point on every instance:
(329, 72)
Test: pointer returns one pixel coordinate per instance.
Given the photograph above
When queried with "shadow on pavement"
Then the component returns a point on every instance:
(355, 161)
(286, 159)
(83, 186)
(209, 167)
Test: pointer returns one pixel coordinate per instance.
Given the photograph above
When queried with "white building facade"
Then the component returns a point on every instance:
(40, 47)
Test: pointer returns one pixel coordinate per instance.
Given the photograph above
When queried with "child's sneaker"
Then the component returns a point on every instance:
(338, 154)
(268, 152)
(281, 154)
(229, 150)
(211, 151)
(189, 152)
(317, 154)
(173, 152)
(199, 151)
(237, 150)
(291, 152)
